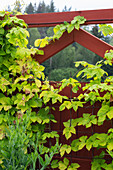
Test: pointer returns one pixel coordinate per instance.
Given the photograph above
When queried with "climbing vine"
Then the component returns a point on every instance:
(26, 102)
(60, 29)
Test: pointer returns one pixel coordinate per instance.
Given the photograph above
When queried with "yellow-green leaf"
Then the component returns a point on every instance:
(110, 113)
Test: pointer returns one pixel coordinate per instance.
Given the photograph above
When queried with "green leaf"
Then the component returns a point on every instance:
(62, 107)
(2, 31)
(54, 164)
(110, 145)
(2, 52)
(56, 29)
(66, 161)
(73, 166)
(75, 145)
(2, 13)
(38, 42)
(75, 89)
(65, 148)
(50, 135)
(35, 103)
(35, 119)
(82, 142)
(67, 124)
(98, 163)
(40, 52)
(68, 135)
(66, 104)
(102, 112)
(68, 132)
(38, 82)
(41, 160)
(62, 166)
(44, 42)
(89, 145)
(77, 26)
(110, 113)
(70, 28)
(106, 29)
(72, 130)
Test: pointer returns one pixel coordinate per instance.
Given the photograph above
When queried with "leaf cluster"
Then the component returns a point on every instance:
(60, 29)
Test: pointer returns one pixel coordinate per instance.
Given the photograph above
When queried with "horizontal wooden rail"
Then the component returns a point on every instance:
(82, 37)
(52, 19)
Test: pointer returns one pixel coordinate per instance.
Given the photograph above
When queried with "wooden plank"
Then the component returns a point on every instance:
(55, 47)
(52, 19)
(82, 37)
(91, 42)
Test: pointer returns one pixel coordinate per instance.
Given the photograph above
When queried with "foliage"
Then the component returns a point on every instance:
(92, 93)
(106, 29)
(60, 29)
(35, 34)
(20, 96)
(14, 152)
(61, 73)
(25, 102)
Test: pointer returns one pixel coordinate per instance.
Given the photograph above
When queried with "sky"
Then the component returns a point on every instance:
(75, 4)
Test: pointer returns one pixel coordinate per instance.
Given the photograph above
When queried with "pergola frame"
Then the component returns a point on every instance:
(82, 37)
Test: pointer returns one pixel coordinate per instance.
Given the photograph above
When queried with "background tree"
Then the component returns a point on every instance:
(66, 9)
(34, 34)
(52, 7)
(42, 8)
(30, 9)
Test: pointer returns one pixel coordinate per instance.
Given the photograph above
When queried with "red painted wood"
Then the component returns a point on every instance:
(52, 19)
(55, 47)
(91, 42)
(82, 37)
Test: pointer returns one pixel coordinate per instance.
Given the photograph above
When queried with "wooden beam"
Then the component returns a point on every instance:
(52, 19)
(91, 42)
(82, 37)
(55, 47)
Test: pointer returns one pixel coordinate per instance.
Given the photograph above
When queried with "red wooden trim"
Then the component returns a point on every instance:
(91, 42)
(82, 37)
(52, 19)
(55, 47)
